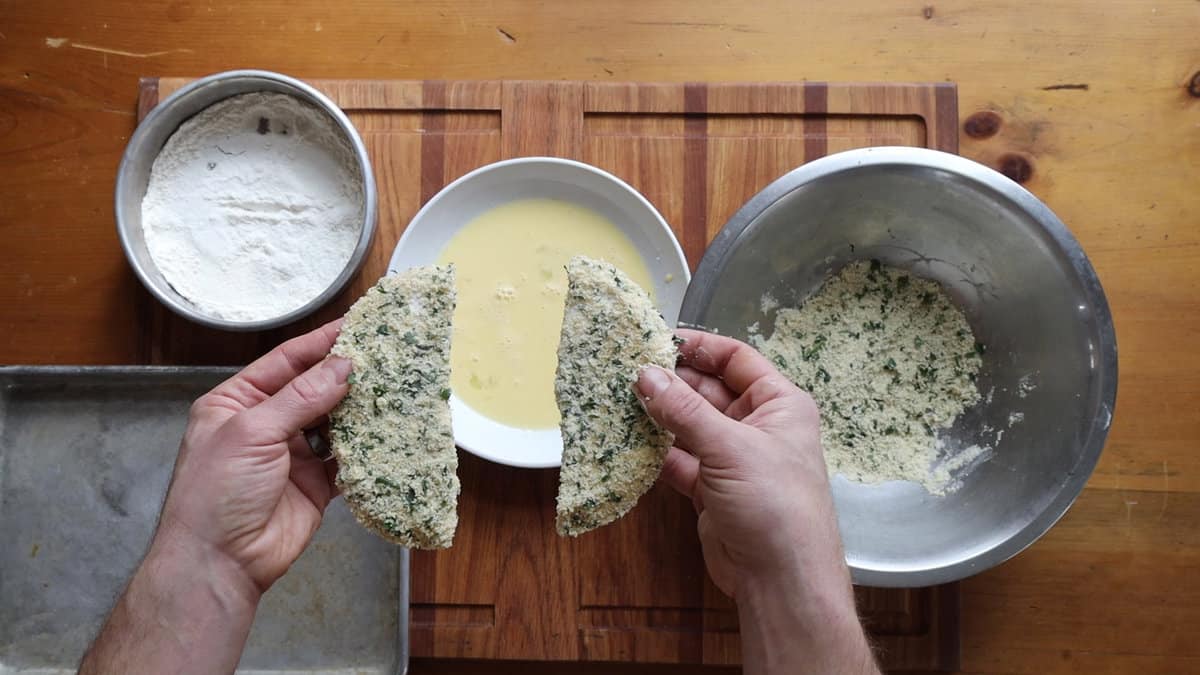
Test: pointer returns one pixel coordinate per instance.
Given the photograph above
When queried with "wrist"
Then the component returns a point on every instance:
(802, 623)
(182, 560)
(187, 609)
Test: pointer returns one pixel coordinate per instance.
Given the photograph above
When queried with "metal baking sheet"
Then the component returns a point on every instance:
(85, 456)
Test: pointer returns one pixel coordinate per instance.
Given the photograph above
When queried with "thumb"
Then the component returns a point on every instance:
(300, 402)
(675, 406)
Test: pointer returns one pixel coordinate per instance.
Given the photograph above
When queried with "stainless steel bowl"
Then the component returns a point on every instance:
(1031, 296)
(134, 174)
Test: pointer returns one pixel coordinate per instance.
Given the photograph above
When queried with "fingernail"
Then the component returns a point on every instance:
(652, 381)
(341, 368)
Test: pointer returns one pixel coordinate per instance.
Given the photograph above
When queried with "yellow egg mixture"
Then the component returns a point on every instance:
(511, 277)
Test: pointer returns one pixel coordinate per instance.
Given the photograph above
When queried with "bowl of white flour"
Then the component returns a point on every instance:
(245, 201)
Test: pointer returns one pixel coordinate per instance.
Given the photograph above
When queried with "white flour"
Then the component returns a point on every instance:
(254, 206)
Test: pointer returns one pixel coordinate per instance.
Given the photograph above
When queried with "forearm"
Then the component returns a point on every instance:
(186, 610)
(792, 626)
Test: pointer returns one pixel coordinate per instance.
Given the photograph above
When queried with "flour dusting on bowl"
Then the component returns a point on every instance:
(254, 206)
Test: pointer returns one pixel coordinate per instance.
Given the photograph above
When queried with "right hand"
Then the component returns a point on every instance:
(749, 456)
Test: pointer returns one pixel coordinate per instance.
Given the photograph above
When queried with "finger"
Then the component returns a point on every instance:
(308, 472)
(330, 463)
(698, 427)
(680, 471)
(791, 411)
(767, 388)
(711, 388)
(270, 372)
(331, 472)
(305, 399)
(735, 362)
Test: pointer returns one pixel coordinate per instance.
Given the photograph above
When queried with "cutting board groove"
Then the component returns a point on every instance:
(636, 590)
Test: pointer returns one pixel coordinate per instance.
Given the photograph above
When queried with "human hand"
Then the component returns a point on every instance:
(247, 488)
(748, 455)
(245, 498)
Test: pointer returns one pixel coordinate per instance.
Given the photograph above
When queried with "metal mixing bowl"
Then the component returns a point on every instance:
(1031, 296)
(134, 174)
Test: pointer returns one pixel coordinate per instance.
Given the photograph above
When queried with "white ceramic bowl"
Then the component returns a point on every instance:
(551, 178)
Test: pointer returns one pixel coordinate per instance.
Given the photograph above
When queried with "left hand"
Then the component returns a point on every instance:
(247, 486)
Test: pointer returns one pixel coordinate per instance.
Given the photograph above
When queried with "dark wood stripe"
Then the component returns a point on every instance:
(695, 172)
(695, 239)
(422, 582)
(816, 105)
(945, 122)
(423, 564)
(433, 140)
(949, 635)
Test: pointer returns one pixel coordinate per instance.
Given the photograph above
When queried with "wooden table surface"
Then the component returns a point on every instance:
(1095, 106)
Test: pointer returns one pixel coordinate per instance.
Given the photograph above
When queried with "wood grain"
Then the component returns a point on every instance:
(636, 591)
(1117, 160)
(651, 135)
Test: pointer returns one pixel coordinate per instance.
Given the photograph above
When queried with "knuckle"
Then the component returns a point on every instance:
(239, 429)
(680, 405)
(671, 464)
(805, 400)
(806, 406)
(291, 352)
(778, 384)
(764, 389)
(199, 406)
(306, 390)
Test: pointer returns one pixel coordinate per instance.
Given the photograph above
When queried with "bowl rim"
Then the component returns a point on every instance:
(699, 295)
(349, 132)
(676, 252)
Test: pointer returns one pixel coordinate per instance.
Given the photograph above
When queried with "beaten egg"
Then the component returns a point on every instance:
(510, 267)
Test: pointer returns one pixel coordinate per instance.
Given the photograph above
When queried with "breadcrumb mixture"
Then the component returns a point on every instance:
(392, 433)
(890, 361)
(612, 450)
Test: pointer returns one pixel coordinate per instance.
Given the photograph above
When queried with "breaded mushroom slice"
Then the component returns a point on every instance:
(391, 434)
(612, 450)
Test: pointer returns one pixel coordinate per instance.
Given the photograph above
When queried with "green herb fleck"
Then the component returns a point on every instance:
(387, 482)
(809, 353)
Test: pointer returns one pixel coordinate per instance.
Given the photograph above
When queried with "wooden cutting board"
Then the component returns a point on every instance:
(510, 588)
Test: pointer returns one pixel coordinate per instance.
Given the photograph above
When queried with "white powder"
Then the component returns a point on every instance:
(254, 206)
(947, 473)
(1025, 385)
(768, 303)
